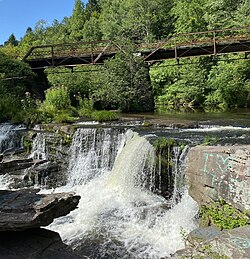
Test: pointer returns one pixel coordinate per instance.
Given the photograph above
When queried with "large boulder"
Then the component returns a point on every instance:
(210, 244)
(216, 172)
(26, 209)
(34, 244)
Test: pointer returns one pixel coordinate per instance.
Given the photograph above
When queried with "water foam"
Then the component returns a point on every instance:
(117, 210)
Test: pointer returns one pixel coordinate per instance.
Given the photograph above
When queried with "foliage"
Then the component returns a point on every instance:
(207, 83)
(9, 108)
(104, 115)
(189, 16)
(56, 106)
(123, 82)
(16, 76)
(124, 85)
(223, 216)
(229, 84)
(179, 86)
(80, 82)
(11, 40)
(56, 98)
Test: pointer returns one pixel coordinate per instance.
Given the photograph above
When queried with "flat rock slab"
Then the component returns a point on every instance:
(24, 209)
(231, 244)
(33, 244)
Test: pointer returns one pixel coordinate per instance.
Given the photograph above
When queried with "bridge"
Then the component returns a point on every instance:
(208, 43)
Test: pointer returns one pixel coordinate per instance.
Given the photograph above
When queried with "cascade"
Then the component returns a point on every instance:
(93, 152)
(119, 215)
(5, 181)
(10, 137)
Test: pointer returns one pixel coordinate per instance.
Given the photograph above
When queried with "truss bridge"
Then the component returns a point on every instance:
(207, 43)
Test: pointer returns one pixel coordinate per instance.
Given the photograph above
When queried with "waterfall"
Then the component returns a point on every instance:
(5, 181)
(179, 159)
(119, 216)
(93, 153)
(10, 137)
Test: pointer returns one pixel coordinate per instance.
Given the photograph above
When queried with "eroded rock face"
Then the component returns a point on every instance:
(26, 209)
(215, 172)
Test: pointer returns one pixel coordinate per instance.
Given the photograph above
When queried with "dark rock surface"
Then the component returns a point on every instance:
(34, 244)
(13, 165)
(24, 209)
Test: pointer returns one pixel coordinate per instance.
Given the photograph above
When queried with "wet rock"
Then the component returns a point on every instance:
(26, 209)
(216, 172)
(202, 234)
(231, 244)
(49, 174)
(34, 244)
(13, 165)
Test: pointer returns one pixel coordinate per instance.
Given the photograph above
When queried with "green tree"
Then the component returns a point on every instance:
(76, 21)
(221, 14)
(11, 40)
(230, 84)
(189, 16)
(124, 84)
(15, 81)
(135, 19)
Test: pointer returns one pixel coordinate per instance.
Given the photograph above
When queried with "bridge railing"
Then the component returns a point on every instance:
(78, 50)
(96, 49)
(201, 39)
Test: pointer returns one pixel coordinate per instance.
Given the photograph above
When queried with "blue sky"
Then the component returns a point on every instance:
(17, 15)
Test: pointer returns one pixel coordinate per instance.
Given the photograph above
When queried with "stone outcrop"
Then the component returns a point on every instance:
(34, 244)
(26, 209)
(210, 243)
(216, 172)
(12, 166)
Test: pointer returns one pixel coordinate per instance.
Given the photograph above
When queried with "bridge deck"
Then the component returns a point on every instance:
(178, 46)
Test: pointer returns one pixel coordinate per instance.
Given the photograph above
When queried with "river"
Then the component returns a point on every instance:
(121, 213)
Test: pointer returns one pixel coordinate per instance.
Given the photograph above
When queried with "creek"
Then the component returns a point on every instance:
(122, 212)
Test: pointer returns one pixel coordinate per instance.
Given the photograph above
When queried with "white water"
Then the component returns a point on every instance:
(39, 147)
(8, 136)
(5, 181)
(117, 210)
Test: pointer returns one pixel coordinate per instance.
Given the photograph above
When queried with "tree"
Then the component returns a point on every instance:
(125, 85)
(189, 16)
(91, 7)
(11, 41)
(77, 21)
(230, 84)
(221, 14)
(142, 20)
(15, 81)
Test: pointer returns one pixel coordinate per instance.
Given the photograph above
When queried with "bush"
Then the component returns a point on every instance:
(57, 98)
(223, 216)
(57, 106)
(9, 107)
(104, 115)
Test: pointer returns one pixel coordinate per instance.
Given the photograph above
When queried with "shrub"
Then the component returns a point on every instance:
(104, 115)
(57, 98)
(223, 216)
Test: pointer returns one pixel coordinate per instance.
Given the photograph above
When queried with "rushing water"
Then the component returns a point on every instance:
(114, 171)
(119, 216)
(10, 137)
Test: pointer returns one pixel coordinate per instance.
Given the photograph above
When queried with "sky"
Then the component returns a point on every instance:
(17, 15)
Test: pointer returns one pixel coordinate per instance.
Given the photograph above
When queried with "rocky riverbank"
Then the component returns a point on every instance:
(22, 213)
(213, 174)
